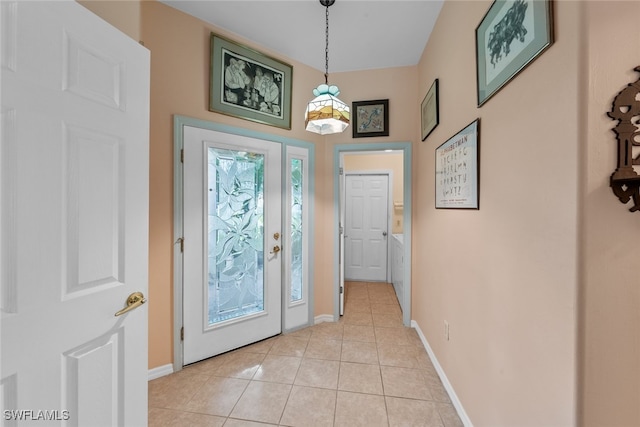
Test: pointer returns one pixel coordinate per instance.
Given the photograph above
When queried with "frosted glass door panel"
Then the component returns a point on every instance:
(236, 234)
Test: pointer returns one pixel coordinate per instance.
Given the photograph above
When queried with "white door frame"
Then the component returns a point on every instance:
(340, 149)
(389, 174)
(178, 123)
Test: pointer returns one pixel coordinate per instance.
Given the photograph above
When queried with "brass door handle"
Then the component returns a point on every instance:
(275, 250)
(134, 300)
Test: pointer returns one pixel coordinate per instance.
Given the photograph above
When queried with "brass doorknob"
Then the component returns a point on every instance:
(134, 300)
(275, 250)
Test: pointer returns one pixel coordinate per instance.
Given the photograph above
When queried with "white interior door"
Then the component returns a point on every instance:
(367, 213)
(232, 242)
(74, 218)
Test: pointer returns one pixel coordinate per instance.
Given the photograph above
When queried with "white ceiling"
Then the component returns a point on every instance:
(362, 34)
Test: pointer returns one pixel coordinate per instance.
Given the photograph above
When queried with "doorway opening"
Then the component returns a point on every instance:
(399, 218)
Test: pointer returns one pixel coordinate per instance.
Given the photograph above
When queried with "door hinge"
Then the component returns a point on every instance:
(341, 171)
(341, 290)
(182, 155)
(182, 334)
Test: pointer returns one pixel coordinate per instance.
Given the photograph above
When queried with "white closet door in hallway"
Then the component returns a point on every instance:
(366, 227)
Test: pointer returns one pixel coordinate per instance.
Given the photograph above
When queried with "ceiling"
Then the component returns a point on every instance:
(363, 35)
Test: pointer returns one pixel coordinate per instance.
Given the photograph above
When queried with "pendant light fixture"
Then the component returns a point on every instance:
(326, 114)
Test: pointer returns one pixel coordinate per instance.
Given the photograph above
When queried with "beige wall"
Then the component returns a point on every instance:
(126, 15)
(378, 162)
(610, 283)
(505, 276)
(539, 286)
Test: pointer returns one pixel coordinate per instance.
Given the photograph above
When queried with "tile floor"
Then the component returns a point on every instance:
(366, 370)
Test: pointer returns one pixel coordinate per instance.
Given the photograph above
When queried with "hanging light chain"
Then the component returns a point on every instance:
(326, 49)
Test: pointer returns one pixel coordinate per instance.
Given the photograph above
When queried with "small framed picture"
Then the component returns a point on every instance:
(510, 36)
(429, 114)
(247, 84)
(370, 118)
(457, 170)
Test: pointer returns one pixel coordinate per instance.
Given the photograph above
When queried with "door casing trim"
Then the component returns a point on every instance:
(178, 218)
(340, 149)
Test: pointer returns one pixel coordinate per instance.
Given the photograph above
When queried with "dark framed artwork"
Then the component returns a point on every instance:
(247, 84)
(510, 36)
(429, 113)
(370, 118)
(458, 171)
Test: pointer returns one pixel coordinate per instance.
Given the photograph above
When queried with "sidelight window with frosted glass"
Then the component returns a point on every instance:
(297, 186)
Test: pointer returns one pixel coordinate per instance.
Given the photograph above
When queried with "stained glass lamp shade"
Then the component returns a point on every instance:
(325, 113)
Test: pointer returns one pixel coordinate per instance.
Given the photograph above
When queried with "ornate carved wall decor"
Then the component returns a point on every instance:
(625, 182)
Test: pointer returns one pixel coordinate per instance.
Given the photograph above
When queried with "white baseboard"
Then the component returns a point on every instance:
(443, 377)
(160, 371)
(323, 318)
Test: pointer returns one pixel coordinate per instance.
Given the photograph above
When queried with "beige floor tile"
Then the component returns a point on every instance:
(356, 290)
(242, 365)
(159, 417)
(409, 412)
(382, 298)
(359, 352)
(318, 373)
(289, 346)
(327, 331)
(395, 336)
(362, 318)
(261, 347)
(232, 422)
(358, 306)
(405, 382)
(263, 402)
(309, 407)
(360, 410)
(403, 356)
(204, 367)
(304, 333)
(437, 389)
(385, 308)
(359, 333)
(449, 415)
(350, 374)
(175, 390)
(387, 320)
(278, 369)
(360, 378)
(217, 396)
(325, 349)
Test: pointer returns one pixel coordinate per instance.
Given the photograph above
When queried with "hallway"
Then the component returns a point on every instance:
(365, 370)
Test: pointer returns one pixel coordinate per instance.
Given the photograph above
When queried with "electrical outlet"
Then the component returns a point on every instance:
(446, 330)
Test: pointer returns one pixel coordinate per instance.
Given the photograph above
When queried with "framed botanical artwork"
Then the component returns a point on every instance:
(429, 114)
(370, 118)
(247, 84)
(457, 170)
(510, 36)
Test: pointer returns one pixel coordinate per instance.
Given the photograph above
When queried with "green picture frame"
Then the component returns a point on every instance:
(250, 85)
(510, 36)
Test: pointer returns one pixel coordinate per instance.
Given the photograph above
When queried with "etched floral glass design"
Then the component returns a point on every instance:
(296, 229)
(235, 234)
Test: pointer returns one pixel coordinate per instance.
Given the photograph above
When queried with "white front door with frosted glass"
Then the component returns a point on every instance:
(366, 227)
(232, 260)
(74, 218)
